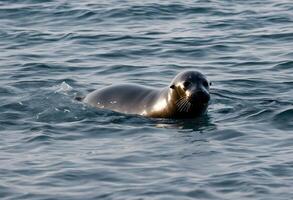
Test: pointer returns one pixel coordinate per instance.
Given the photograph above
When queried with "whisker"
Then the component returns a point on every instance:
(182, 98)
(187, 106)
(183, 105)
(180, 101)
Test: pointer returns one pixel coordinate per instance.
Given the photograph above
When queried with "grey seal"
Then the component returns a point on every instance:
(186, 97)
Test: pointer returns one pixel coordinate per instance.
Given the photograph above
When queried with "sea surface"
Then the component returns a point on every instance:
(53, 147)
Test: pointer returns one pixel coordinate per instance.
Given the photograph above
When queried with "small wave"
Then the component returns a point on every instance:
(288, 65)
(284, 119)
(154, 11)
(226, 134)
(39, 138)
(273, 36)
(120, 69)
(260, 115)
(280, 170)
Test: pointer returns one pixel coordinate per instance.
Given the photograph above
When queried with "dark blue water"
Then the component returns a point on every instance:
(52, 147)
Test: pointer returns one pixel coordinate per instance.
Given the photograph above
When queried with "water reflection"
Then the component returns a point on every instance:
(199, 124)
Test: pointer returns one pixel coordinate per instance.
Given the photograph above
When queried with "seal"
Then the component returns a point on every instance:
(186, 97)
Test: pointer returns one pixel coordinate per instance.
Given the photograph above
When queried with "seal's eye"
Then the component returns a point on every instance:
(186, 84)
(205, 84)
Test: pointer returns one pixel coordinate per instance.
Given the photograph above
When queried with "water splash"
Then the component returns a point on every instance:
(64, 88)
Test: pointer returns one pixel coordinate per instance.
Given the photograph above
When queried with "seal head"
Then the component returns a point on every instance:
(190, 93)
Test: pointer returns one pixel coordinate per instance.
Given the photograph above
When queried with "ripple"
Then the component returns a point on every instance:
(283, 119)
(276, 36)
(39, 138)
(120, 69)
(280, 170)
(284, 66)
(153, 11)
(226, 134)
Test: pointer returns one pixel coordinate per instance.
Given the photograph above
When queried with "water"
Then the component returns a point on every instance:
(53, 147)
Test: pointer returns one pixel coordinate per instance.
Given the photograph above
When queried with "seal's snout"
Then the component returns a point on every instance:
(200, 96)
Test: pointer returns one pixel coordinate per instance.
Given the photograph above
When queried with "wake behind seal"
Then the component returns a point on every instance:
(186, 97)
